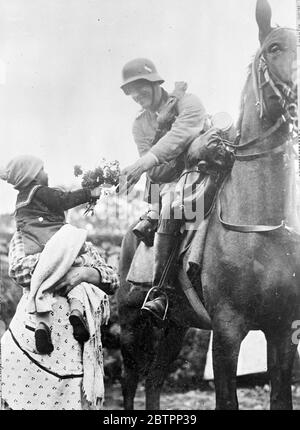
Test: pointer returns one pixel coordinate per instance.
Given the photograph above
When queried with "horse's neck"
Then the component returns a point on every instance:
(263, 190)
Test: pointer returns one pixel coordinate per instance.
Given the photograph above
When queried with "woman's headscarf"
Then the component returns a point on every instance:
(21, 171)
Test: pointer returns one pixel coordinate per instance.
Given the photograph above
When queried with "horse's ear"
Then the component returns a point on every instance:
(263, 18)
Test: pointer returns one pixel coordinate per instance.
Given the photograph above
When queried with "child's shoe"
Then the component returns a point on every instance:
(80, 329)
(43, 340)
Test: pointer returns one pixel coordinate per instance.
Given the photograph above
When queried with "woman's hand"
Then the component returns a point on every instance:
(75, 276)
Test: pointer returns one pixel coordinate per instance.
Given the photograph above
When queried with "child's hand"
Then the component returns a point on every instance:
(96, 192)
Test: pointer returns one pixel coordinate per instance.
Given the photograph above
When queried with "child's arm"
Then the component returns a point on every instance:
(58, 200)
(21, 266)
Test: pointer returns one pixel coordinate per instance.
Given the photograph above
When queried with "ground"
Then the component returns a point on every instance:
(250, 398)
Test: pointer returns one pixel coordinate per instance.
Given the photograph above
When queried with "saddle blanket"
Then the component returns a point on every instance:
(141, 269)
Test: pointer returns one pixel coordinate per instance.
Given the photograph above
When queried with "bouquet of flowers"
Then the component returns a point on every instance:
(105, 175)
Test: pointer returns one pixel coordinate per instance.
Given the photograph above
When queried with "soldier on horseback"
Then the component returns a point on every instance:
(162, 131)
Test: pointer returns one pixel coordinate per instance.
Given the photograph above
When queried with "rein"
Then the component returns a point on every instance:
(274, 149)
(286, 97)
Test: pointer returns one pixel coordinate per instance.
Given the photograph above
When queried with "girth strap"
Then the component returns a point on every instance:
(248, 228)
(242, 228)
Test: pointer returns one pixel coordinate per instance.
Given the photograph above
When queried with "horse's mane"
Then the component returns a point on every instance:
(242, 97)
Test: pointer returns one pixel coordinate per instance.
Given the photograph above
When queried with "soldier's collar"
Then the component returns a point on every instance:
(163, 100)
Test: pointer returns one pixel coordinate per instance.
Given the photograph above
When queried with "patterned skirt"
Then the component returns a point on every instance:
(33, 381)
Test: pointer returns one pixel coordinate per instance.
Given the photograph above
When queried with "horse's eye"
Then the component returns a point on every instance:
(274, 49)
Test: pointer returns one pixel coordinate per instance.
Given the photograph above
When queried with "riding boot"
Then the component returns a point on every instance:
(146, 228)
(156, 301)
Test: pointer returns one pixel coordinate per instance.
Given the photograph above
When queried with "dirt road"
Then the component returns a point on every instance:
(249, 399)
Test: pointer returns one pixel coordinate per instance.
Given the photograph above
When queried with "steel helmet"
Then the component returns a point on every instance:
(138, 69)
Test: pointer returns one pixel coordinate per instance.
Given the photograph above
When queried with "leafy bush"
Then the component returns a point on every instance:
(10, 293)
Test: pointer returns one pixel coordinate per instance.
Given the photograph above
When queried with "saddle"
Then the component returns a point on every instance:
(142, 266)
(195, 195)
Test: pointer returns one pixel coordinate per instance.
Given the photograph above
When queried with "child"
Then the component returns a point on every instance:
(39, 215)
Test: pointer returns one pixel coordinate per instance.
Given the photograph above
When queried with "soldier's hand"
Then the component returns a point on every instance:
(130, 176)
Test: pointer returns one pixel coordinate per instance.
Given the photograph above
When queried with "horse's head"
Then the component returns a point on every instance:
(276, 62)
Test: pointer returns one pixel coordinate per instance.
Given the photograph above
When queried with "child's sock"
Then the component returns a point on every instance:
(80, 329)
(42, 334)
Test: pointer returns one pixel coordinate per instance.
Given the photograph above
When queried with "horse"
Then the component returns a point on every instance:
(251, 263)
(148, 350)
(251, 260)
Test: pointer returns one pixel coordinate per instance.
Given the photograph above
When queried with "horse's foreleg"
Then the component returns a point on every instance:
(281, 354)
(228, 333)
(167, 351)
(129, 385)
(130, 376)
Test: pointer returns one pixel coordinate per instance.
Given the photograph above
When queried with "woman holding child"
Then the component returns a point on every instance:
(52, 352)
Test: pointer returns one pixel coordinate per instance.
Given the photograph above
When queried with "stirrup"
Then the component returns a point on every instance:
(147, 299)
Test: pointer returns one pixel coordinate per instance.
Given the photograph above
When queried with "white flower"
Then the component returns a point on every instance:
(106, 172)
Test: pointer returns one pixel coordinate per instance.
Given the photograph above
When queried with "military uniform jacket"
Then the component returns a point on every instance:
(189, 122)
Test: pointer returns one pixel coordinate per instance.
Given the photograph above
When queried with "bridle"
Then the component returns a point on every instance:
(287, 98)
